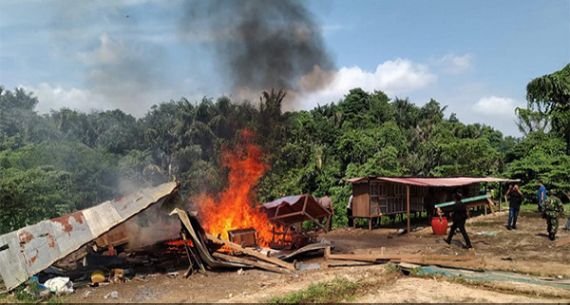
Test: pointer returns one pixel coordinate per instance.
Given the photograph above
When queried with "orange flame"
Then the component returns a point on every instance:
(235, 208)
(179, 243)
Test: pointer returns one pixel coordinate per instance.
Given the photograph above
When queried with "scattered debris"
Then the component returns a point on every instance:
(303, 267)
(487, 233)
(172, 274)
(318, 247)
(97, 277)
(34, 248)
(59, 285)
(112, 295)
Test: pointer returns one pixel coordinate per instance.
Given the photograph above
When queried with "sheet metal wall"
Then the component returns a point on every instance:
(32, 249)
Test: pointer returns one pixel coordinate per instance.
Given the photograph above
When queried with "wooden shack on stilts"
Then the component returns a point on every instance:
(374, 197)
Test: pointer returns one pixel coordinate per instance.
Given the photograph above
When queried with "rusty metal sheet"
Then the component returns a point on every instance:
(432, 182)
(32, 249)
(294, 209)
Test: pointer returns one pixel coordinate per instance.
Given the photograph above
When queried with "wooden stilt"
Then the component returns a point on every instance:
(408, 226)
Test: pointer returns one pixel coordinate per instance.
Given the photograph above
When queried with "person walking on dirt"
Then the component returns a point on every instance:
(553, 209)
(459, 217)
(349, 212)
(542, 195)
(515, 199)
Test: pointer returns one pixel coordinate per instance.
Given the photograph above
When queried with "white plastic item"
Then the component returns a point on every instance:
(59, 285)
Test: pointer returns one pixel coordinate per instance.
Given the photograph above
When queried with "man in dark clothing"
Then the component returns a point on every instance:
(515, 199)
(459, 217)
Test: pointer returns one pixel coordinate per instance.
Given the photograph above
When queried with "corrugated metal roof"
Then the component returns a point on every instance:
(292, 209)
(290, 200)
(32, 249)
(432, 182)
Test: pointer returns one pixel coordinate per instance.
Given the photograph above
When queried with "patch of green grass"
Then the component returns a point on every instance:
(325, 292)
(391, 267)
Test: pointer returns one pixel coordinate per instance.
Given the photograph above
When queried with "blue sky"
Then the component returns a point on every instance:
(476, 57)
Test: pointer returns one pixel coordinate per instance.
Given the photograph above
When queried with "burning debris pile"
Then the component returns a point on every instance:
(139, 234)
(236, 207)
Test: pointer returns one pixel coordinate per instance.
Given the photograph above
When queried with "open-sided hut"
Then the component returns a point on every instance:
(378, 196)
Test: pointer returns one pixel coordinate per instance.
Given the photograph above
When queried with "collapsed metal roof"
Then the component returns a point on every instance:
(293, 209)
(31, 249)
(432, 182)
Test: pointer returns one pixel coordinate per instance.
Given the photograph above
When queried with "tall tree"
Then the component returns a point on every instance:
(551, 94)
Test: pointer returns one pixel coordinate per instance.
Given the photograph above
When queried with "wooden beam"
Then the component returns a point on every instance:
(408, 227)
(465, 262)
(190, 254)
(245, 261)
(491, 205)
(253, 253)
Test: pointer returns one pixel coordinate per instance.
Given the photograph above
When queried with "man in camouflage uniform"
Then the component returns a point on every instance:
(553, 209)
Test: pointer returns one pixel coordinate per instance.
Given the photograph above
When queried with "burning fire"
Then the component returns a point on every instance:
(179, 243)
(235, 208)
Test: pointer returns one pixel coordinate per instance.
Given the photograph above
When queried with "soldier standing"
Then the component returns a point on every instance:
(553, 209)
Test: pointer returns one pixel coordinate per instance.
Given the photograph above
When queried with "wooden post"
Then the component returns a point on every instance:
(500, 195)
(408, 208)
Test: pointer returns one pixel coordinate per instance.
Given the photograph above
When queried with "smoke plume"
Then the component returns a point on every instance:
(263, 44)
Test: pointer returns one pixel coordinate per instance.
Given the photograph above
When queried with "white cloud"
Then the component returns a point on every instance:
(394, 77)
(455, 64)
(495, 106)
(108, 52)
(53, 97)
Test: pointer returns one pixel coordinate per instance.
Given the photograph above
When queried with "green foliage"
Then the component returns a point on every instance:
(541, 156)
(68, 160)
(28, 196)
(336, 290)
(550, 94)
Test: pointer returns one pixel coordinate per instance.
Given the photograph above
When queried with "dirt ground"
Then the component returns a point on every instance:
(526, 250)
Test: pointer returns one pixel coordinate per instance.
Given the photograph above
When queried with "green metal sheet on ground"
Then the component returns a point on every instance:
(491, 276)
(465, 200)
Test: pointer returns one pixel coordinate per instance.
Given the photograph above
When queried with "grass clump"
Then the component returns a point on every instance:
(325, 292)
(392, 268)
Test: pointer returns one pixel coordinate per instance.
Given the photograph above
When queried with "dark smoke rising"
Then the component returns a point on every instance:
(263, 44)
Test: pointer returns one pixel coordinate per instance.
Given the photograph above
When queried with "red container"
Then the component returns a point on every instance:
(439, 225)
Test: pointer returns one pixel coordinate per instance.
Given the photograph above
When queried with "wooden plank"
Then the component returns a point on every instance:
(346, 263)
(491, 206)
(250, 252)
(408, 227)
(201, 249)
(465, 262)
(192, 257)
(253, 263)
